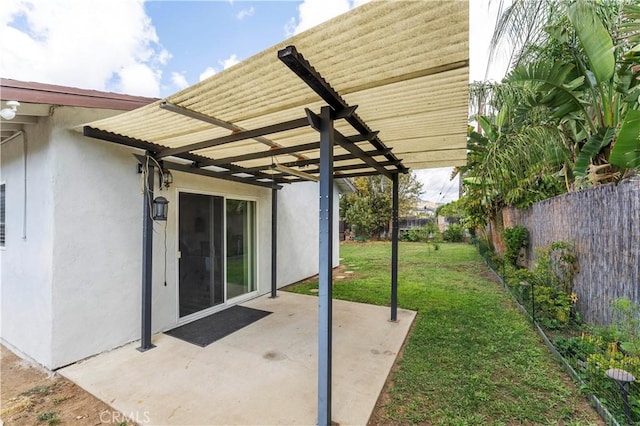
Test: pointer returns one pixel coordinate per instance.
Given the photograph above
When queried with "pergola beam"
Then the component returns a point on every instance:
(212, 120)
(92, 132)
(359, 153)
(236, 136)
(336, 158)
(293, 150)
(361, 174)
(187, 168)
(270, 153)
(199, 161)
(351, 167)
(303, 69)
(353, 149)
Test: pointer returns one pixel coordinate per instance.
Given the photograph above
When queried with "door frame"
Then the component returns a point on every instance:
(226, 302)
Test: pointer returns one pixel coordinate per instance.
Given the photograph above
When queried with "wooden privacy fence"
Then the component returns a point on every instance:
(603, 223)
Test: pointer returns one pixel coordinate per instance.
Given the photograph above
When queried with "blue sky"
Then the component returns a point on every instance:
(203, 35)
(155, 48)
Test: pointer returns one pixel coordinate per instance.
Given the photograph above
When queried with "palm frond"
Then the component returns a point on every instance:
(556, 83)
(519, 26)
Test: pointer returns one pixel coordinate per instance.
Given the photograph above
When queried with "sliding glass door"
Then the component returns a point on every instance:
(240, 247)
(217, 251)
(201, 233)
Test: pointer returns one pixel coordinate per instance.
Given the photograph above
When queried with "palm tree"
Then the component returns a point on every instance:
(583, 79)
(566, 116)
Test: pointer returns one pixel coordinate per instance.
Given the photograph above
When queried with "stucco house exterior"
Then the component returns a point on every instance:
(71, 246)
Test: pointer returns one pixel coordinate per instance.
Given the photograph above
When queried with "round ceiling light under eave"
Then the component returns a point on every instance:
(10, 112)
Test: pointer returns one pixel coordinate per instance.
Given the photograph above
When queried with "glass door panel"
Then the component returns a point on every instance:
(201, 268)
(240, 247)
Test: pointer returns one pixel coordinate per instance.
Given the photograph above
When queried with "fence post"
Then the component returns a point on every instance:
(533, 303)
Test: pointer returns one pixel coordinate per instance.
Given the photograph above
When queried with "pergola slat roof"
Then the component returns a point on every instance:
(404, 64)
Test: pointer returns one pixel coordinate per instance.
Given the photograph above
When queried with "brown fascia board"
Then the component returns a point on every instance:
(50, 94)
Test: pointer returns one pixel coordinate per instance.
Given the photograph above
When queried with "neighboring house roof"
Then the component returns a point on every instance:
(51, 94)
(345, 186)
(37, 98)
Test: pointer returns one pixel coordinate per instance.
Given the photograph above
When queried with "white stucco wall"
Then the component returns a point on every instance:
(96, 261)
(25, 286)
(73, 289)
(298, 224)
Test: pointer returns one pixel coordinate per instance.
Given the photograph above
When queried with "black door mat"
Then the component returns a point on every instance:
(207, 330)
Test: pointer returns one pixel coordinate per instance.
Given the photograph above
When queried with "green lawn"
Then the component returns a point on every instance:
(471, 357)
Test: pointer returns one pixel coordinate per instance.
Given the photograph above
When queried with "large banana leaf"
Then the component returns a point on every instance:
(626, 150)
(489, 130)
(595, 40)
(556, 82)
(592, 148)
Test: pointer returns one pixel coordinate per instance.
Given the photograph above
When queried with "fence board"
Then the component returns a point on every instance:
(604, 225)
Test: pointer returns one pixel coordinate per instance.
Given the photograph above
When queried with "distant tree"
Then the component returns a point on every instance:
(452, 209)
(369, 208)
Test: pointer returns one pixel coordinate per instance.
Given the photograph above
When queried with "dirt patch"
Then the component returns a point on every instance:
(339, 273)
(32, 395)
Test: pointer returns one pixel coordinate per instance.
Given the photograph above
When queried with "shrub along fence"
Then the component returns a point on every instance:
(603, 224)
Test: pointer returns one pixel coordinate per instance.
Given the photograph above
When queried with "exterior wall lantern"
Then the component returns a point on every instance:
(160, 208)
(166, 178)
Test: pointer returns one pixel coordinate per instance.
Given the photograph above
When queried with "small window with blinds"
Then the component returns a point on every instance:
(2, 214)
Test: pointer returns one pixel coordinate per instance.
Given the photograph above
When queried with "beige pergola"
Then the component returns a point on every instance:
(378, 90)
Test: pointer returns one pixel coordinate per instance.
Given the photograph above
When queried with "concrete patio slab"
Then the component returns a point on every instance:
(265, 373)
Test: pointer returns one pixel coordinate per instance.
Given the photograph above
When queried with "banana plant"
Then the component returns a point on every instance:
(590, 94)
(626, 150)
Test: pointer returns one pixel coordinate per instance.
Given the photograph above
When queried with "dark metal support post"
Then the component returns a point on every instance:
(274, 242)
(147, 262)
(394, 249)
(325, 267)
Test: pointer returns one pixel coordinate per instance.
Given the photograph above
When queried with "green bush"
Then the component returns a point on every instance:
(627, 323)
(424, 233)
(454, 233)
(414, 235)
(515, 238)
(551, 281)
(576, 348)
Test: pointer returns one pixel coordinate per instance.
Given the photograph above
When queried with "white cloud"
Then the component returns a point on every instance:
(357, 3)
(226, 63)
(437, 184)
(140, 79)
(245, 13)
(314, 12)
(290, 27)
(207, 73)
(98, 44)
(179, 80)
(230, 61)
